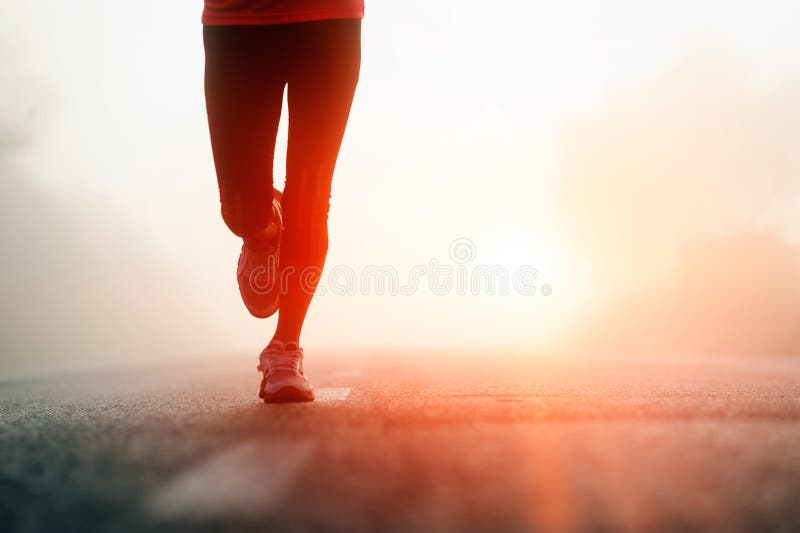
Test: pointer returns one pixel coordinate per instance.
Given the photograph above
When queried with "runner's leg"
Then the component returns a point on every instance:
(244, 83)
(323, 73)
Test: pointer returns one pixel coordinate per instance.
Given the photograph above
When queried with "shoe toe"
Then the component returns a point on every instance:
(274, 384)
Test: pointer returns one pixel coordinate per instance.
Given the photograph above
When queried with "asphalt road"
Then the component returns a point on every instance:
(406, 445)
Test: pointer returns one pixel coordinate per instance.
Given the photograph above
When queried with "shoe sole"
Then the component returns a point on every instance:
(287, 395)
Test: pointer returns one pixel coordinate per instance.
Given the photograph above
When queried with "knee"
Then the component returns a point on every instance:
(246, 213)
(306, 206)
(307, 197)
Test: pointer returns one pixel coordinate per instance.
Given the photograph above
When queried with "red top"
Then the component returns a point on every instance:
(260, 12)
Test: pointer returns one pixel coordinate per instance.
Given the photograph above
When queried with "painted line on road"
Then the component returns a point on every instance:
(331, 394)
(248, 479)
(347, 373)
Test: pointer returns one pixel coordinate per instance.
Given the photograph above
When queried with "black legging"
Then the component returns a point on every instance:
(247, 68)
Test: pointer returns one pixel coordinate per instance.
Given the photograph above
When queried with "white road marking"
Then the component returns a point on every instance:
(247, 479)
(331, 394)
(347, 373)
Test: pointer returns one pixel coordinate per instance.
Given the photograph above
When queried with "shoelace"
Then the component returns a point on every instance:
(279, 357)
(255, 258)
(261, 266)
(256, 261)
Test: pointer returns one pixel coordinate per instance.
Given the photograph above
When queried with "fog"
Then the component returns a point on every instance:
(80, 287)
(681, 197)
(642, 156)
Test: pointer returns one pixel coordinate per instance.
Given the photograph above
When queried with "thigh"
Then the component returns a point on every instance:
(323, 74)
(245, 78)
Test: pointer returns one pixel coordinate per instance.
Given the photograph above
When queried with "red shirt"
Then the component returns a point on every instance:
(260, 12)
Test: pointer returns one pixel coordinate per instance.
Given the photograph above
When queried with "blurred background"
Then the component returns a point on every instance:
(642, 156)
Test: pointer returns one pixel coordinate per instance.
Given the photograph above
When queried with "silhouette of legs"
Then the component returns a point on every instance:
(322, 80)
(247, 68)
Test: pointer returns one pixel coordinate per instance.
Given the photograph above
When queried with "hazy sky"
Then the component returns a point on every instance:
(458, 130)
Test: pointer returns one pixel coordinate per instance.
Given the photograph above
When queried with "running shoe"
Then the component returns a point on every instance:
(257, 272)
(283, 380)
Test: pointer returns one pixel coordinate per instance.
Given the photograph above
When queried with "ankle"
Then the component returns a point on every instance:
(287, 339)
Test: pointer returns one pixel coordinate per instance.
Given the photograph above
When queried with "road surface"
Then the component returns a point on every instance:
(408, 444)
